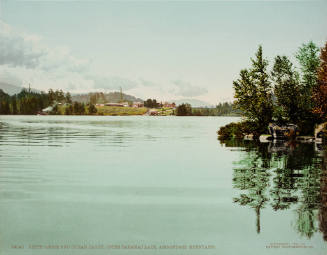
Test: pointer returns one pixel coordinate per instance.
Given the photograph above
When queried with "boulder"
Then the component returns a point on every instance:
(305, 139)
(283, 132)
(321, 132)
(248, 137)
(265, 138)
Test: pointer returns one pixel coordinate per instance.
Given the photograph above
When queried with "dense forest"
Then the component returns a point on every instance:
(28, 102)
(25, 102)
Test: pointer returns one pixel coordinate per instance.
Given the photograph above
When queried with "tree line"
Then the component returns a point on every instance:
(26, 102)
(222, 109)
(29, 102)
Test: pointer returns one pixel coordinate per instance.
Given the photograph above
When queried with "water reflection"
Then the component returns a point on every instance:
(323, 190)
(283, 176)
(52, 135)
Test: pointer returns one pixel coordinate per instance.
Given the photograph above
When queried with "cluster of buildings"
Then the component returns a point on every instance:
(169, 105)
(123, 104)
(136, 104)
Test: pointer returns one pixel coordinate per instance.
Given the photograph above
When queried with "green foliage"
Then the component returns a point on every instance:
(287, 90)
(4, 103)
(286, 96)
(14, 109)
(69, 110)
(222, 109)
(92, 109)
(3, 95)
(309, 61)
(267, 175)
(58, 96)
(55, 110)
(78, 108)
(253, 92)
(231, 130)
(184, 110)
(28, 102)
(239, 130)
(4, 107)
(320, 92)
(152, 103)
(68, 98)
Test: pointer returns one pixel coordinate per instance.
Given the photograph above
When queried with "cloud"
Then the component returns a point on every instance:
(112, 83)
(10, 78)
(43, 80)
(147, 83)
(186, 89)
(24, 50)
(16, 50)
(26, 59)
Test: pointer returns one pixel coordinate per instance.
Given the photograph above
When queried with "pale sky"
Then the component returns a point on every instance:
(158, 49)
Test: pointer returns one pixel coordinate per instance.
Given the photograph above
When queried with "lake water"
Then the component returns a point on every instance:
(155, 185)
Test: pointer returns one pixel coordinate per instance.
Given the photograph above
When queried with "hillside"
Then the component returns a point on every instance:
(99, 97)
(3, 95)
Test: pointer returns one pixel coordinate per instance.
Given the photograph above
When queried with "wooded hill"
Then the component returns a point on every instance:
(100, 98)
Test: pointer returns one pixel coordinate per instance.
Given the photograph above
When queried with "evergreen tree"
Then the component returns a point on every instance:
(4, 103)
(51, 95)
(287, 91)
(92, 109)
(68, 98)
(184, 110)
(78, 108)
(253, 92)
(308, 59)
(320, 93)
(252, 178)
(14, 105)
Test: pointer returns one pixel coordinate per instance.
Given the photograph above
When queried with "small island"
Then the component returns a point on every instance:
(287, 102)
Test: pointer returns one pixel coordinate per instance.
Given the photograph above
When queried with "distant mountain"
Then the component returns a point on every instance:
(111, 97)
(10, 89)
(192, 102)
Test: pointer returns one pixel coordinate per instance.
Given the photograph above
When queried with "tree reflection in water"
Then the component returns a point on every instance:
(323, 192)
(284, 176)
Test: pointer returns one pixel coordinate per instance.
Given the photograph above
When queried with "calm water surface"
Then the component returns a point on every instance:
(89, 185)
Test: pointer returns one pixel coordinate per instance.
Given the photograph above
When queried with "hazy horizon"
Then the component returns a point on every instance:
(163, 50)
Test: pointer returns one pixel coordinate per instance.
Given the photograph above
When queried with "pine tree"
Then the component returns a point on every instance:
(253, 92)
(287, 90)
(320, 93)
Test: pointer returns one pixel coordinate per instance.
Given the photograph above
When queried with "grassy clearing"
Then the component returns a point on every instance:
(165, 111)
(118, 111)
